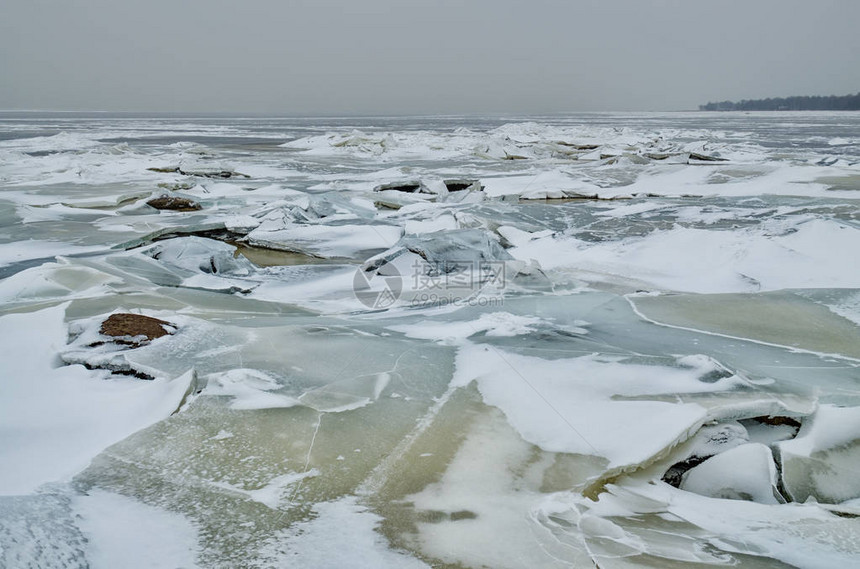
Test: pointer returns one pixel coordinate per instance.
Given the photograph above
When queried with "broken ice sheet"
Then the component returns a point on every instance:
(821, 463)
(344, 241)
(278, 460)
(727, 532)
(55, 419)
(566, 405)
(321, 422)
(746, 472)
(122, 531)
(478, 512)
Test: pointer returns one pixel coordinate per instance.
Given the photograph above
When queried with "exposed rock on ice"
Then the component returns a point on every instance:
(695, 156)
(201, 170)
(173, 203)
(102, 344)
(478, 435)
(54, 420)
(683, 157)
(135, 329)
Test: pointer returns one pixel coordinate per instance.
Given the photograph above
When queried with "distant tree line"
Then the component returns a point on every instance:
(815, 103)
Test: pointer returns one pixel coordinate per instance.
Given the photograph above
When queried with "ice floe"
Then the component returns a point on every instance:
(55, 419)
(623, 340)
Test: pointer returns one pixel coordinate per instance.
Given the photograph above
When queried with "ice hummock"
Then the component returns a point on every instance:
(659, 368)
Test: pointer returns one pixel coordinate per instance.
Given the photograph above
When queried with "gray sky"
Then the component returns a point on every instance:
(302, 57)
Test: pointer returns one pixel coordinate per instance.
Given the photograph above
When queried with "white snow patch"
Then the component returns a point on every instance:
(567, 405)
(54, 420)
(249, 388)
(122, 532)
(493, 324)
(342, 535)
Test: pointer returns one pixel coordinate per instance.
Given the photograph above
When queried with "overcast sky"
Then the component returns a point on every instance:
(422, 56)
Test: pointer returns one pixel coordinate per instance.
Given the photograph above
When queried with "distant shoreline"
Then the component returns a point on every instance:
(795, 103)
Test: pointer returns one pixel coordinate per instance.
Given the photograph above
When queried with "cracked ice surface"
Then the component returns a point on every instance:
(624, 340)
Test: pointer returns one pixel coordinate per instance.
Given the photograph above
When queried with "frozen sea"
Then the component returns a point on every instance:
(614, 340)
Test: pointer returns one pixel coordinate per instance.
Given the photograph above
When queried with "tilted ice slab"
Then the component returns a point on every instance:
(328, 240)
(20, 251)
(544, 185)
(567, 405)
(822, 462)
(62, 280)
(478, 513)
(682, 526)
(807, 253)
(54, 418)
(745, 472)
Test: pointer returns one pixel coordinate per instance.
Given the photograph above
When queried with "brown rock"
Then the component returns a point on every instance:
(174, 203)
(126, 325)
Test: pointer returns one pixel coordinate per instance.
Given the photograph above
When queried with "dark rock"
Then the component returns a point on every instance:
(778, 420)
(460, 185)
(215, 173)
(438, 516)
(676, 472)
(218, 174)
(659, 155)
(514, 157)
(705, 158)
(579, 146)
(407, 187)
(121, 370)
(165, 170)
(173, 203)
(711, 440)
(463, 515)
(135, 329)
(386, 205)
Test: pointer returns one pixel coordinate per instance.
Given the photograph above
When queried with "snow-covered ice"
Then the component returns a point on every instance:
(619, 339)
